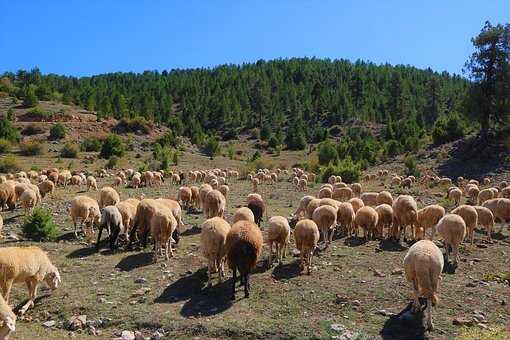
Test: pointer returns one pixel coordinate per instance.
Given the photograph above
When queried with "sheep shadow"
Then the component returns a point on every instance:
(82, 252)
(287, 271)
(200, 300)
(69, 236)
(353, 241)
(405, 325)
(194, 230)
(16, 309)
(390, 245)
(135, 261)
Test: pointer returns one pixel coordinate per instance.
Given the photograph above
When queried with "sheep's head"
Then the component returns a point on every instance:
(52, 279)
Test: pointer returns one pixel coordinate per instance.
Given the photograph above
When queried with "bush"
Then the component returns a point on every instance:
(211, 146)
(393, 148)
(265, 132)
(256, 155)
(448, 129)
(112, 146)
(9, 164)
(327, 153)
(70, 150)
(5, 146)
(112, 162)
(38, 114)
(8, 131)
(39, 226)
(411, 169)
(136, 125)
(32, 129)
(32, 148)
(91, 144)
(168, 139)
(29, 97)
(347, 169)
(57, 131)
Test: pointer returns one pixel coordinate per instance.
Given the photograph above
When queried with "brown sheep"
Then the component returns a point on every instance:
(8, 195)
(357, 203)
(384, 219)
(215, 204)
(342, 194)
(312, 205)
(278, 234)
(366, 218)
(162, 225)
(243, 214)
(384, 197)
(325, 218)
(244, 246)
(108, 196)
(184, 196)
(306, 235)
(303, 203)
(257, 205)
(404, 214)
(213, 240)
(46, 187)
(84, 210)
(427, 218)
(485, 219)
(468, 213)
(345, 217)
(369, 198)
(452, 229)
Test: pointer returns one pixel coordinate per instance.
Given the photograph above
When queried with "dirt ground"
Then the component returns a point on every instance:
(356, 290)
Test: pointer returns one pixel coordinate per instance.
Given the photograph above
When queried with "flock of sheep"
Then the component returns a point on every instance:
(338, 208)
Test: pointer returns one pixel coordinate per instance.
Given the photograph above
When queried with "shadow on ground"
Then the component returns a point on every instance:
(287, 271)
(134, 261)
(200, 300)
(404, 325)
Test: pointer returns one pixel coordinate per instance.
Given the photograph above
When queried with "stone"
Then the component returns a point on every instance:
(384, 312)
(341, 300)
(140, 292)
(50, 323)
(75, 322)
(356, 303)
(127, 335)
(471, 284)
(140, 280)
(397, 271)
(379, 273)
(462, 321)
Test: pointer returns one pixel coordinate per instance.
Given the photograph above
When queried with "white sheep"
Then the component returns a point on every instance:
(452, 229)
(213, 240)
(306, 235)
(278, 233)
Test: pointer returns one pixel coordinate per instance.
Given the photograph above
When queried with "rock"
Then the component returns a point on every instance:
(12, 236)
(50, 323)
(476, 259)
(481, 325)
(102, 300)
(379, 273)
(337, 327)
(157, 335)
(481, 245)
(356, 303)
(397, 271)
(341, 300)
(141, 280)
(384, 312)
(462, 321)
(140, 292)
(127, 335)
(471, 284)
(75, 322)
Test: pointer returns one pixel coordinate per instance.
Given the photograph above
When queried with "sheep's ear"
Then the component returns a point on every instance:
(10, 323)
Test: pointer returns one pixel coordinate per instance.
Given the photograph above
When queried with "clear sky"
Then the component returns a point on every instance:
(96, 36)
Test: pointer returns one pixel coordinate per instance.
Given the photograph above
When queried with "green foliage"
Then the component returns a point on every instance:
(163, 154)
(112, 162)
(447, 129)
(347, 168)
(327, 153)
(230, 152)
(136, 125)
(296, 136)
(70, 150)
(8, 131)
(256, 155)
(5, 146)
(32, 148)
(175, 158)
(57, 131)
(168, 139)
(38, 113)
(39, 226)
(112, 146)
(9, 164)
(32, 129)
(11, 115)
(393, 148)
(29, 97)
(211, 146)
(91, 144)
(265, 132)
(411, 168)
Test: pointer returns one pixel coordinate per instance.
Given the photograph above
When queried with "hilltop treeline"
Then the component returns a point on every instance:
(274, 93)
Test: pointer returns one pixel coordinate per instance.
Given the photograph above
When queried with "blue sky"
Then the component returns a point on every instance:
(90, 37)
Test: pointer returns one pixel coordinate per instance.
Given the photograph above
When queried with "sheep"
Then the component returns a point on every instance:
(279, 234)
(26, 264)
(472, 193)
(46, 187)
(127, 209)
(505, 192)
(255, 183)
(357, 203)
(455, 194)
(384, 218)
(303, 203)
(366, 218)
(108, 196)
(342, 194)
(147, 178)
(356, 189)
(325, 218)
(28, 200)
(224, 189)
(184, 196)
(257, 205)
(117, 181)
(325, 193)
(195, 196)
(136, 181)
(202, 193)
(76, 180)
(469, 215)
(176, 211)
(369, 198)
(485, 195)
(215, 204)
(306, 235)
(8, 318)
(404, 214)
(427, 218)
(213, 238)
(406, 183)
(302, 184)
(345, 217)
(243, 214)
(163, 225)
(502, 210)
(384, 197)
(244, 247)
(1, 225)
(8, 195)
(86, 210)
(312, 205)
(111, 219)
(485, 219)
(330, 202)
(452, 229)
(423, 265)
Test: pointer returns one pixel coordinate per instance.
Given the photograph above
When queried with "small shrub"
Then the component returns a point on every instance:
(29, 97)
(448, 129)
(256, 155)
(136, 125)
(112, 162)
(38, 114)
(327, 153)
(112, 146)
(347, 169)
(5, 146)
(411, 169)
(39, 226)
(8, 130)
(32, 148)
(91, 144)
(70, 150)
(57, 131)
(211, 146)
(32, 129)
(9, 164)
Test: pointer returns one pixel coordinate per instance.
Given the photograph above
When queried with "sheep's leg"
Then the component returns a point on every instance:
(303, 261)
(331, 234)
(99, 238)
(156, 250)
(310, 261)
(247, 285)
(428, 312)
(270, 263)
(6, 288)
(489, 231)
(447, 251)
(416, 295)
(455, 254)
(234, 277)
